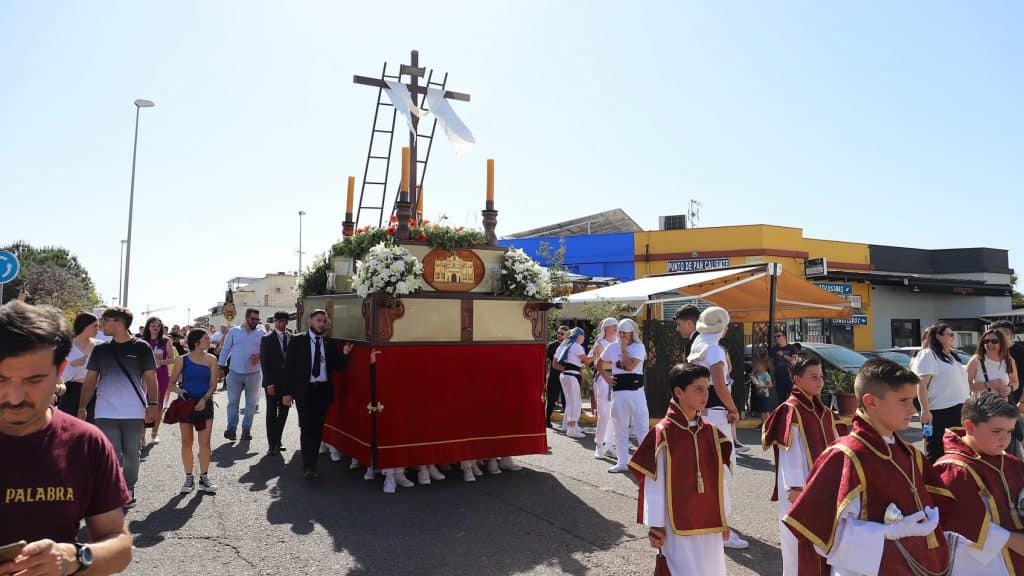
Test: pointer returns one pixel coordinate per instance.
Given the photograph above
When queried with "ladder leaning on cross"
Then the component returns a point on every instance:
(405, 199)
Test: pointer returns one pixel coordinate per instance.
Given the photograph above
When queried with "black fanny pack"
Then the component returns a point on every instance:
(628, 382)
(570, 368)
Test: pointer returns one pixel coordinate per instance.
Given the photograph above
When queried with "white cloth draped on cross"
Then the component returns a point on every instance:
(457, 132)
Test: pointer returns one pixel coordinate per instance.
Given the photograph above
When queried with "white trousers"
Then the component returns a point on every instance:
(602, 392)
(720, 418)
(628, 405)
(573, 400)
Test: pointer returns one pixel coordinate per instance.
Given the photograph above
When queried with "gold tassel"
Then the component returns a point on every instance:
(933, 542)
(700, 483)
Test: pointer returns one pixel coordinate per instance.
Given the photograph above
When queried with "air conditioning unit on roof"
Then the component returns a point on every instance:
(673, 222)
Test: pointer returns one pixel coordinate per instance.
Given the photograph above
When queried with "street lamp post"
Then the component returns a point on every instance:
(120, 273)
(301, 214)
(139, 104)
(188, 316)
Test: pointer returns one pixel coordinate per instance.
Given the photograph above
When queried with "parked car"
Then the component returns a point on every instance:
(911, 351)
(833, 356)
(897, 357)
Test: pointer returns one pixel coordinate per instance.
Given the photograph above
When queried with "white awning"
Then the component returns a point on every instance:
(745, 292)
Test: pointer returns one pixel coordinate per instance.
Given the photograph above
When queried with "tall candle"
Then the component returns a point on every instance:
(419, 203)
(351, 194)
(405, 170)
(490, 179)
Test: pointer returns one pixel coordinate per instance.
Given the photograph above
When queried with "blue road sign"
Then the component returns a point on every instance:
(9, 266)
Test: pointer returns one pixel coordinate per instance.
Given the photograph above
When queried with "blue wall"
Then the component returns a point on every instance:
(590, 255)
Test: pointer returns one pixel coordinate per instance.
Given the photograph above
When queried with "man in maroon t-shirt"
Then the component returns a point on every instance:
(59, 470)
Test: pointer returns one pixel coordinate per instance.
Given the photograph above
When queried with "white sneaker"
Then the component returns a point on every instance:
(509, 463)
(492, 467)
(575, 432)
(467, 475)
(206, 486)
(189, 485)
(402, 480)
(389, 484)
(599, 451)
(735, 542)
(353, 464)
(476, 469)
(435, 474)
(369, 474)
(323, 448)
(423, 477)
(618, 469)
(335, 455)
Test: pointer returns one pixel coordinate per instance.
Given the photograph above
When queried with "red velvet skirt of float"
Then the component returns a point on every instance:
(441, 403)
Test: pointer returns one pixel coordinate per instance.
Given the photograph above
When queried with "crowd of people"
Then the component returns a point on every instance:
(852, 498)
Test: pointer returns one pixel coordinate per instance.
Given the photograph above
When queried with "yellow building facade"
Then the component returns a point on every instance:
(665, 251)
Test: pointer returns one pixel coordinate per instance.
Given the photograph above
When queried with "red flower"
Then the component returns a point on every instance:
(393, 219)
(412, 223)
(391, 230)
(425, 222)
(421, 237)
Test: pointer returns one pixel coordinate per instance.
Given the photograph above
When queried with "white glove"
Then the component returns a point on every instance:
(917, 524)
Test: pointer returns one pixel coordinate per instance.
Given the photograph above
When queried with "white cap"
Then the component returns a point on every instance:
(713, 320)
(628, 325)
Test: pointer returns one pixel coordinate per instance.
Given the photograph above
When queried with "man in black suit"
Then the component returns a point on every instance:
(273, 351)
(310, 359)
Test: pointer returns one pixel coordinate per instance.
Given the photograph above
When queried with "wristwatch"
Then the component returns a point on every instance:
(84, 556)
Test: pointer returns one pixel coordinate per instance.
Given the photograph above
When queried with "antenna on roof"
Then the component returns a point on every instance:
(693, 213)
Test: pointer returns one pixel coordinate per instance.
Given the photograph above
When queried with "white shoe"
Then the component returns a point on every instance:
(476, 469)
(423, 477)
(735, 542)
(389, 484)
(618, 469)
(335, 455)
(369, 474)
(435, 474)
(467, 475)
(742, 448)
(509, 463)
(599, 451)
(575, 432)
(354, 464)
(323, 448)
(402, 480)
(492, 467)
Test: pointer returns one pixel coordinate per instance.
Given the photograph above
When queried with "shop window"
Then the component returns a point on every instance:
(905, 332)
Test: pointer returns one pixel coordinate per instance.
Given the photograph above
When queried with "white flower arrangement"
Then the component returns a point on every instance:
(388, 269)
(522, 277)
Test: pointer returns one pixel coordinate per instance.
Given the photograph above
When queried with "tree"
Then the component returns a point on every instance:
(51, 275)
(554, 261)
(1018, 298)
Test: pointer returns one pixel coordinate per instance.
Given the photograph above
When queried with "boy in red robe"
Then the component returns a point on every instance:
(867, 506)
(987, 485)
(680, 468)
(799, 430)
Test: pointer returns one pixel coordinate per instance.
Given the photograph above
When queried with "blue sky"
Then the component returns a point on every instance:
(890, 123)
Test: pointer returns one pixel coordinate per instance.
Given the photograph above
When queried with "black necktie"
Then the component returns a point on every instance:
(316, 359)
(284, 345)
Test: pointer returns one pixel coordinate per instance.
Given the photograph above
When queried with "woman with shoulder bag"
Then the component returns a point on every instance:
(944, 386)
(197, 371)
(991, 367)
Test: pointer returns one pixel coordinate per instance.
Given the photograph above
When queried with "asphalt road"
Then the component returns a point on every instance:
(562, 514)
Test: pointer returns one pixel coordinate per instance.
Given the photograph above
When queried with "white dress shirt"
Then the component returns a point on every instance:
(323, 356)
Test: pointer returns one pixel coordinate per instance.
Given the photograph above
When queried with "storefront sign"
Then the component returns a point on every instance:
(856, 320)
(815, 267)
(835, 288)
(697, 264)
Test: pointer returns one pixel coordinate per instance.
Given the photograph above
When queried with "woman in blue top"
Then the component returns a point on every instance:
(197, 371)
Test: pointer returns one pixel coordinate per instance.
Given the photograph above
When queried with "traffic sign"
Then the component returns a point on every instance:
(9, 266)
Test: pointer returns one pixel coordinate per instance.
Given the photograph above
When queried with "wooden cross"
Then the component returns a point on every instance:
(407, 198)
